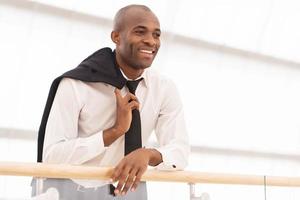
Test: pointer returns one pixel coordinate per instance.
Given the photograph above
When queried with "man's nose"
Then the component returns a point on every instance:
(150, 40)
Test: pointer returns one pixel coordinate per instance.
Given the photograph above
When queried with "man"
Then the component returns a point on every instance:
(103, 112)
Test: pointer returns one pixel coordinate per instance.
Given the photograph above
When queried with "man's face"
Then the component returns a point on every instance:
(139, 39)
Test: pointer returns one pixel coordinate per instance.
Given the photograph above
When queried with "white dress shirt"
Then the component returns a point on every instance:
(81, 111)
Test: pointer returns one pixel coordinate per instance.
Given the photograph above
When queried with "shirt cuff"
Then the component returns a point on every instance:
(168, 164)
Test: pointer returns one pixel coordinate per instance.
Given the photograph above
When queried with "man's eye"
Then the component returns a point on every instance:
(139, 32)
(156, 35)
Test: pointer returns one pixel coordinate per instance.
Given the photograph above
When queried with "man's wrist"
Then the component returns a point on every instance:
(117, 131)
(155, 157)
(110, 135)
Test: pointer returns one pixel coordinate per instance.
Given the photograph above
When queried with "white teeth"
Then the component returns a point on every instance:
(146, 51)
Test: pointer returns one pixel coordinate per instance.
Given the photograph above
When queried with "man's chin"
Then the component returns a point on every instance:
(142, 65)
(145, 66)
(144, 62)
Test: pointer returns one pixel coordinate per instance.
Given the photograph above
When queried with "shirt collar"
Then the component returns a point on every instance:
(143, 75)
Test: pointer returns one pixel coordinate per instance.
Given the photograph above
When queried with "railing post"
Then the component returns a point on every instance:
(39, 186)
(193, 196)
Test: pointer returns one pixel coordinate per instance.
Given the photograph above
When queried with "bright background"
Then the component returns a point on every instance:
(235, 63)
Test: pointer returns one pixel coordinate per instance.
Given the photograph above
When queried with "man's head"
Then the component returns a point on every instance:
(136, 33)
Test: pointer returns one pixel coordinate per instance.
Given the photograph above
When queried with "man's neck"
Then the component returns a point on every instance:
(130, 72)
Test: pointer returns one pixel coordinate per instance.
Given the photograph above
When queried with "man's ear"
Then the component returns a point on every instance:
(115, 37)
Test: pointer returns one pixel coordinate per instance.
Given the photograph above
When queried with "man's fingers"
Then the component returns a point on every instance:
(118, 94)
(122, 179)
(130, 97)
(117, 172)
(137, 179)
(134, 105)
(129, 181)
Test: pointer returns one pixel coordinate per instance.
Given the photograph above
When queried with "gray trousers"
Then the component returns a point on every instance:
(69, 190)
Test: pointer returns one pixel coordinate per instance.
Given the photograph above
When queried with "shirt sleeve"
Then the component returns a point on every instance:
(171, 131)
(62, 143)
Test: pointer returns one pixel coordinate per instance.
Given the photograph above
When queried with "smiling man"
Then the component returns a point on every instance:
(103, 112)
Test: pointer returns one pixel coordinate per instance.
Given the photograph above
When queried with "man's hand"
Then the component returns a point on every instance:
(129, 171)
(125, 105)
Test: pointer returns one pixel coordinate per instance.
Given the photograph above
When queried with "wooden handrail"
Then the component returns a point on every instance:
(99, 173)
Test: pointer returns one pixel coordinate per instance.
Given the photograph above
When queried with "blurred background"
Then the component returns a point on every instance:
(235, 63)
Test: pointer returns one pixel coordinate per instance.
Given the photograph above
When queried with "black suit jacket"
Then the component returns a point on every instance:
(101, 66)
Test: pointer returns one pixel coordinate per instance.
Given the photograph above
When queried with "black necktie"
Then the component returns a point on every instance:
(133, 138)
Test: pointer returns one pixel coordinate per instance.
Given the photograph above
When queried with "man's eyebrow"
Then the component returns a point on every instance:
(140, 26)
(144, 27)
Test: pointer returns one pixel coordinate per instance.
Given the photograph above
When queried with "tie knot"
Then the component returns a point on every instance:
(132, 85)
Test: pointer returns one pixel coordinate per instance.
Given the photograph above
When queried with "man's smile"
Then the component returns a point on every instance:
(147, 53)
